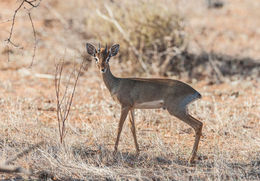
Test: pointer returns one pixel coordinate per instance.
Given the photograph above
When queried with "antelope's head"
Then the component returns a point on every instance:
(102, 55)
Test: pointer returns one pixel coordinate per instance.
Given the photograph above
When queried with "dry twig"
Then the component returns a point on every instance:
(35, 40)
(64, 102)
(9, 41)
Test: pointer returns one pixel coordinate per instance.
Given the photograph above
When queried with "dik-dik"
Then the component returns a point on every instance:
(144, 93)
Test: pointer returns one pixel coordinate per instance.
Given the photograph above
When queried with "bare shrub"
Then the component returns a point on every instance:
(155, 33)
(64, 98)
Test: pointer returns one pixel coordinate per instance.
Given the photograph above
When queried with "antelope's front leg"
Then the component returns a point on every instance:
(124, 112)
(132, 121)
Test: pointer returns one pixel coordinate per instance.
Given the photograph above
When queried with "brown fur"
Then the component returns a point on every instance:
(172, 95)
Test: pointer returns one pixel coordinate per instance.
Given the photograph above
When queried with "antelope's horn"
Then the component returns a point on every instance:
(106, 48)
(99, 47)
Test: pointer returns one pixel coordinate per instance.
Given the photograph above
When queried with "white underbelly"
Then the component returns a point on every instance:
(149, 105)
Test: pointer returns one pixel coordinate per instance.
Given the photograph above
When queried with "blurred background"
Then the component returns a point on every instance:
(213, 45)
(205, 39)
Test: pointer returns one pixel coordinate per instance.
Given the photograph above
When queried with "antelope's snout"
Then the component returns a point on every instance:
(103, 70)
(102, 66)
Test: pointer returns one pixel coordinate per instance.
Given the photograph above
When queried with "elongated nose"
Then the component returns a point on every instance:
(103, 70)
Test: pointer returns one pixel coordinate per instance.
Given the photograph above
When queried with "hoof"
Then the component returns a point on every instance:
(114, 153)
(191, 160)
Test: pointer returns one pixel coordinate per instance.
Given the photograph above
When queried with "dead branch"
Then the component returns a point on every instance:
(12, 26)
(31, 3)
(9, 41)
(35, 40)
(64, 103)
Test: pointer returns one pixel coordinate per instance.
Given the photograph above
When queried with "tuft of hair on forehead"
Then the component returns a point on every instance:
(104, 52)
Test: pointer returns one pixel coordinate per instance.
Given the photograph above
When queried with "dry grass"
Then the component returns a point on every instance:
(230, 146)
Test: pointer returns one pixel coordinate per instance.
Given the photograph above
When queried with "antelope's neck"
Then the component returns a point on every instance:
(110, 80)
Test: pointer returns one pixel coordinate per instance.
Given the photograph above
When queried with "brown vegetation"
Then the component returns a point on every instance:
(215, 50)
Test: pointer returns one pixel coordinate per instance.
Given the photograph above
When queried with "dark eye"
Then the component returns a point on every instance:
(96, 59)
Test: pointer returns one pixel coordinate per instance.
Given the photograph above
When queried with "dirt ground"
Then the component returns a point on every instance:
(230, 111)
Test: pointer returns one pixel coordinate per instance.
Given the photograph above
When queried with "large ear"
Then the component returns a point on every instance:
(114, 50)
(91, 49)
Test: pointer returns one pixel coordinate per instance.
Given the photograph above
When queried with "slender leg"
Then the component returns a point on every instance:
(124, 112)
(132, 121)
(198, 133)
(195, 124)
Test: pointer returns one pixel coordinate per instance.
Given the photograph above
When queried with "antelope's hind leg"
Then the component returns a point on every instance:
(181, 113)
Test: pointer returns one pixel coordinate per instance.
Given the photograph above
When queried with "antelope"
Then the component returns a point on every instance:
(146, 93)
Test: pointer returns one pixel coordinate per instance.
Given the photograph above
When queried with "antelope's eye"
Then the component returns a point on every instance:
(96, 59)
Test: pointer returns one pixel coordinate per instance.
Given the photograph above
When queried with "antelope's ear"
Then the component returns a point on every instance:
(91, 49)
(114, 50)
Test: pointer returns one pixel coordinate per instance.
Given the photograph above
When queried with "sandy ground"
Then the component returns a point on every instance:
(229, 111)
